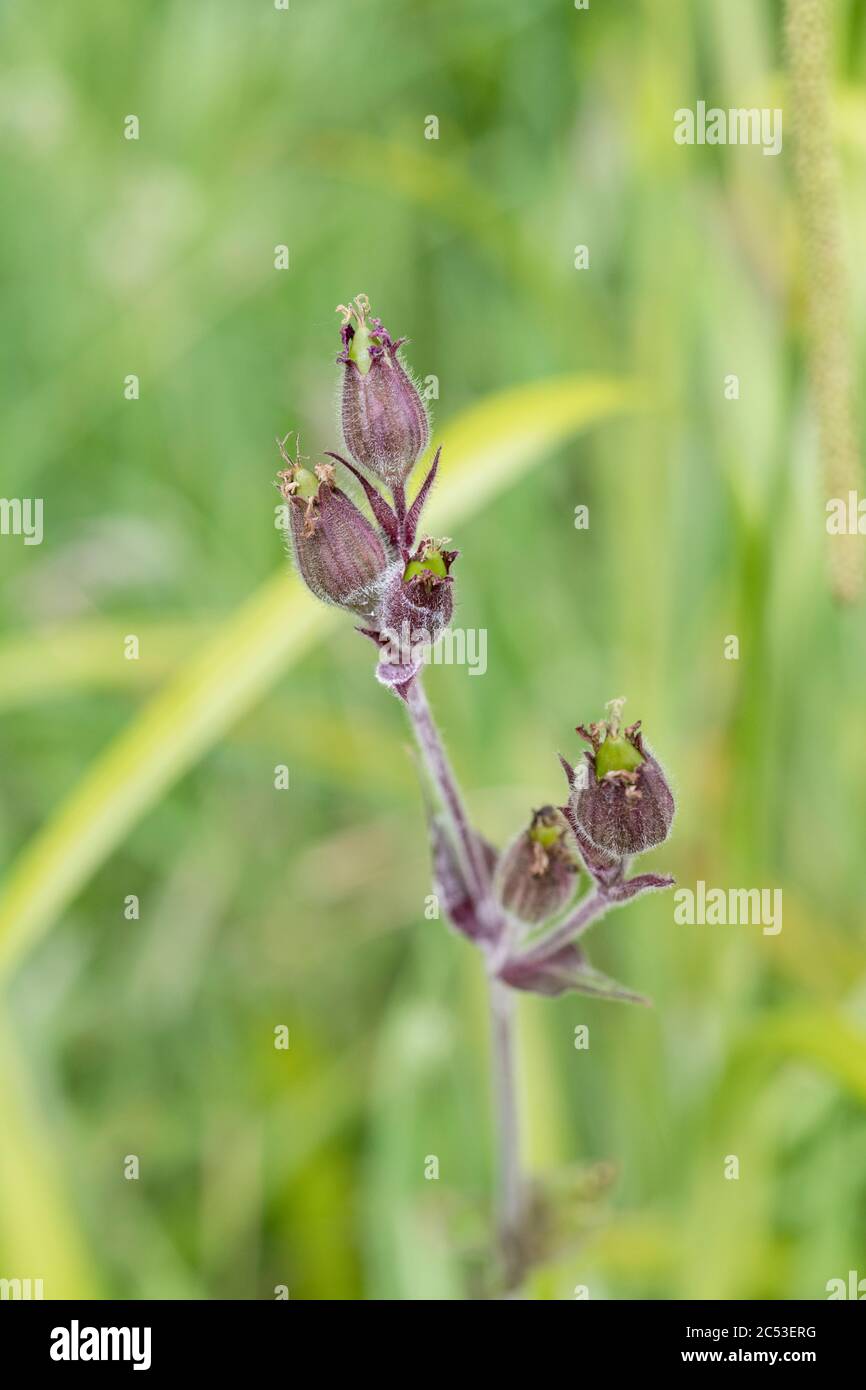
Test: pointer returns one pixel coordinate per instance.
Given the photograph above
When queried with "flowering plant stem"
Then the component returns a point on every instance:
(511, 1187)
(442, 774)
(589, 910)
(508, 904)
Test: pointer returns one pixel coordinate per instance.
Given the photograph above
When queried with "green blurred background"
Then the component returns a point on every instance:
(305, 907)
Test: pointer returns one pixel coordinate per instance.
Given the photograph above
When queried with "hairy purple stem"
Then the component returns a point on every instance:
(510, 1182)
(436, 761)
(511, 1219)
(589, 911)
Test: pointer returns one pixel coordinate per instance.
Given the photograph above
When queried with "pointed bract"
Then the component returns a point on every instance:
(414, 514)
(378, 506)
(566, 970)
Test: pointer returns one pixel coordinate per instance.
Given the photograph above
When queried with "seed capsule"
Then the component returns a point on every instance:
(537, 874)
(419, 603)
(339, 555)
(385, 423)
(622, 803)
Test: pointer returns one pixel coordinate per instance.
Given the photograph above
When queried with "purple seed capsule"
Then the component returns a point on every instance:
(385, 424)
(620, 798)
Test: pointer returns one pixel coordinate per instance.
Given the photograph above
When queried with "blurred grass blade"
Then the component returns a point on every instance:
(178, 725)
(486, 448)
(747, 1102)
(823, 1038)
(444, 188)
(51, 661)
(39, 1238)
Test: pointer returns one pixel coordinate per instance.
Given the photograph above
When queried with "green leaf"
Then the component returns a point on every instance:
(484, 449)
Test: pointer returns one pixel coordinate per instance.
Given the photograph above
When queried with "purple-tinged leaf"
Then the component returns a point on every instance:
(566, 970)
(449, 881)
(641, 883)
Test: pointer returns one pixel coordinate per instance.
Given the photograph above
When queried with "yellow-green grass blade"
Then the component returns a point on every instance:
(49, 662)
(39, 1236)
